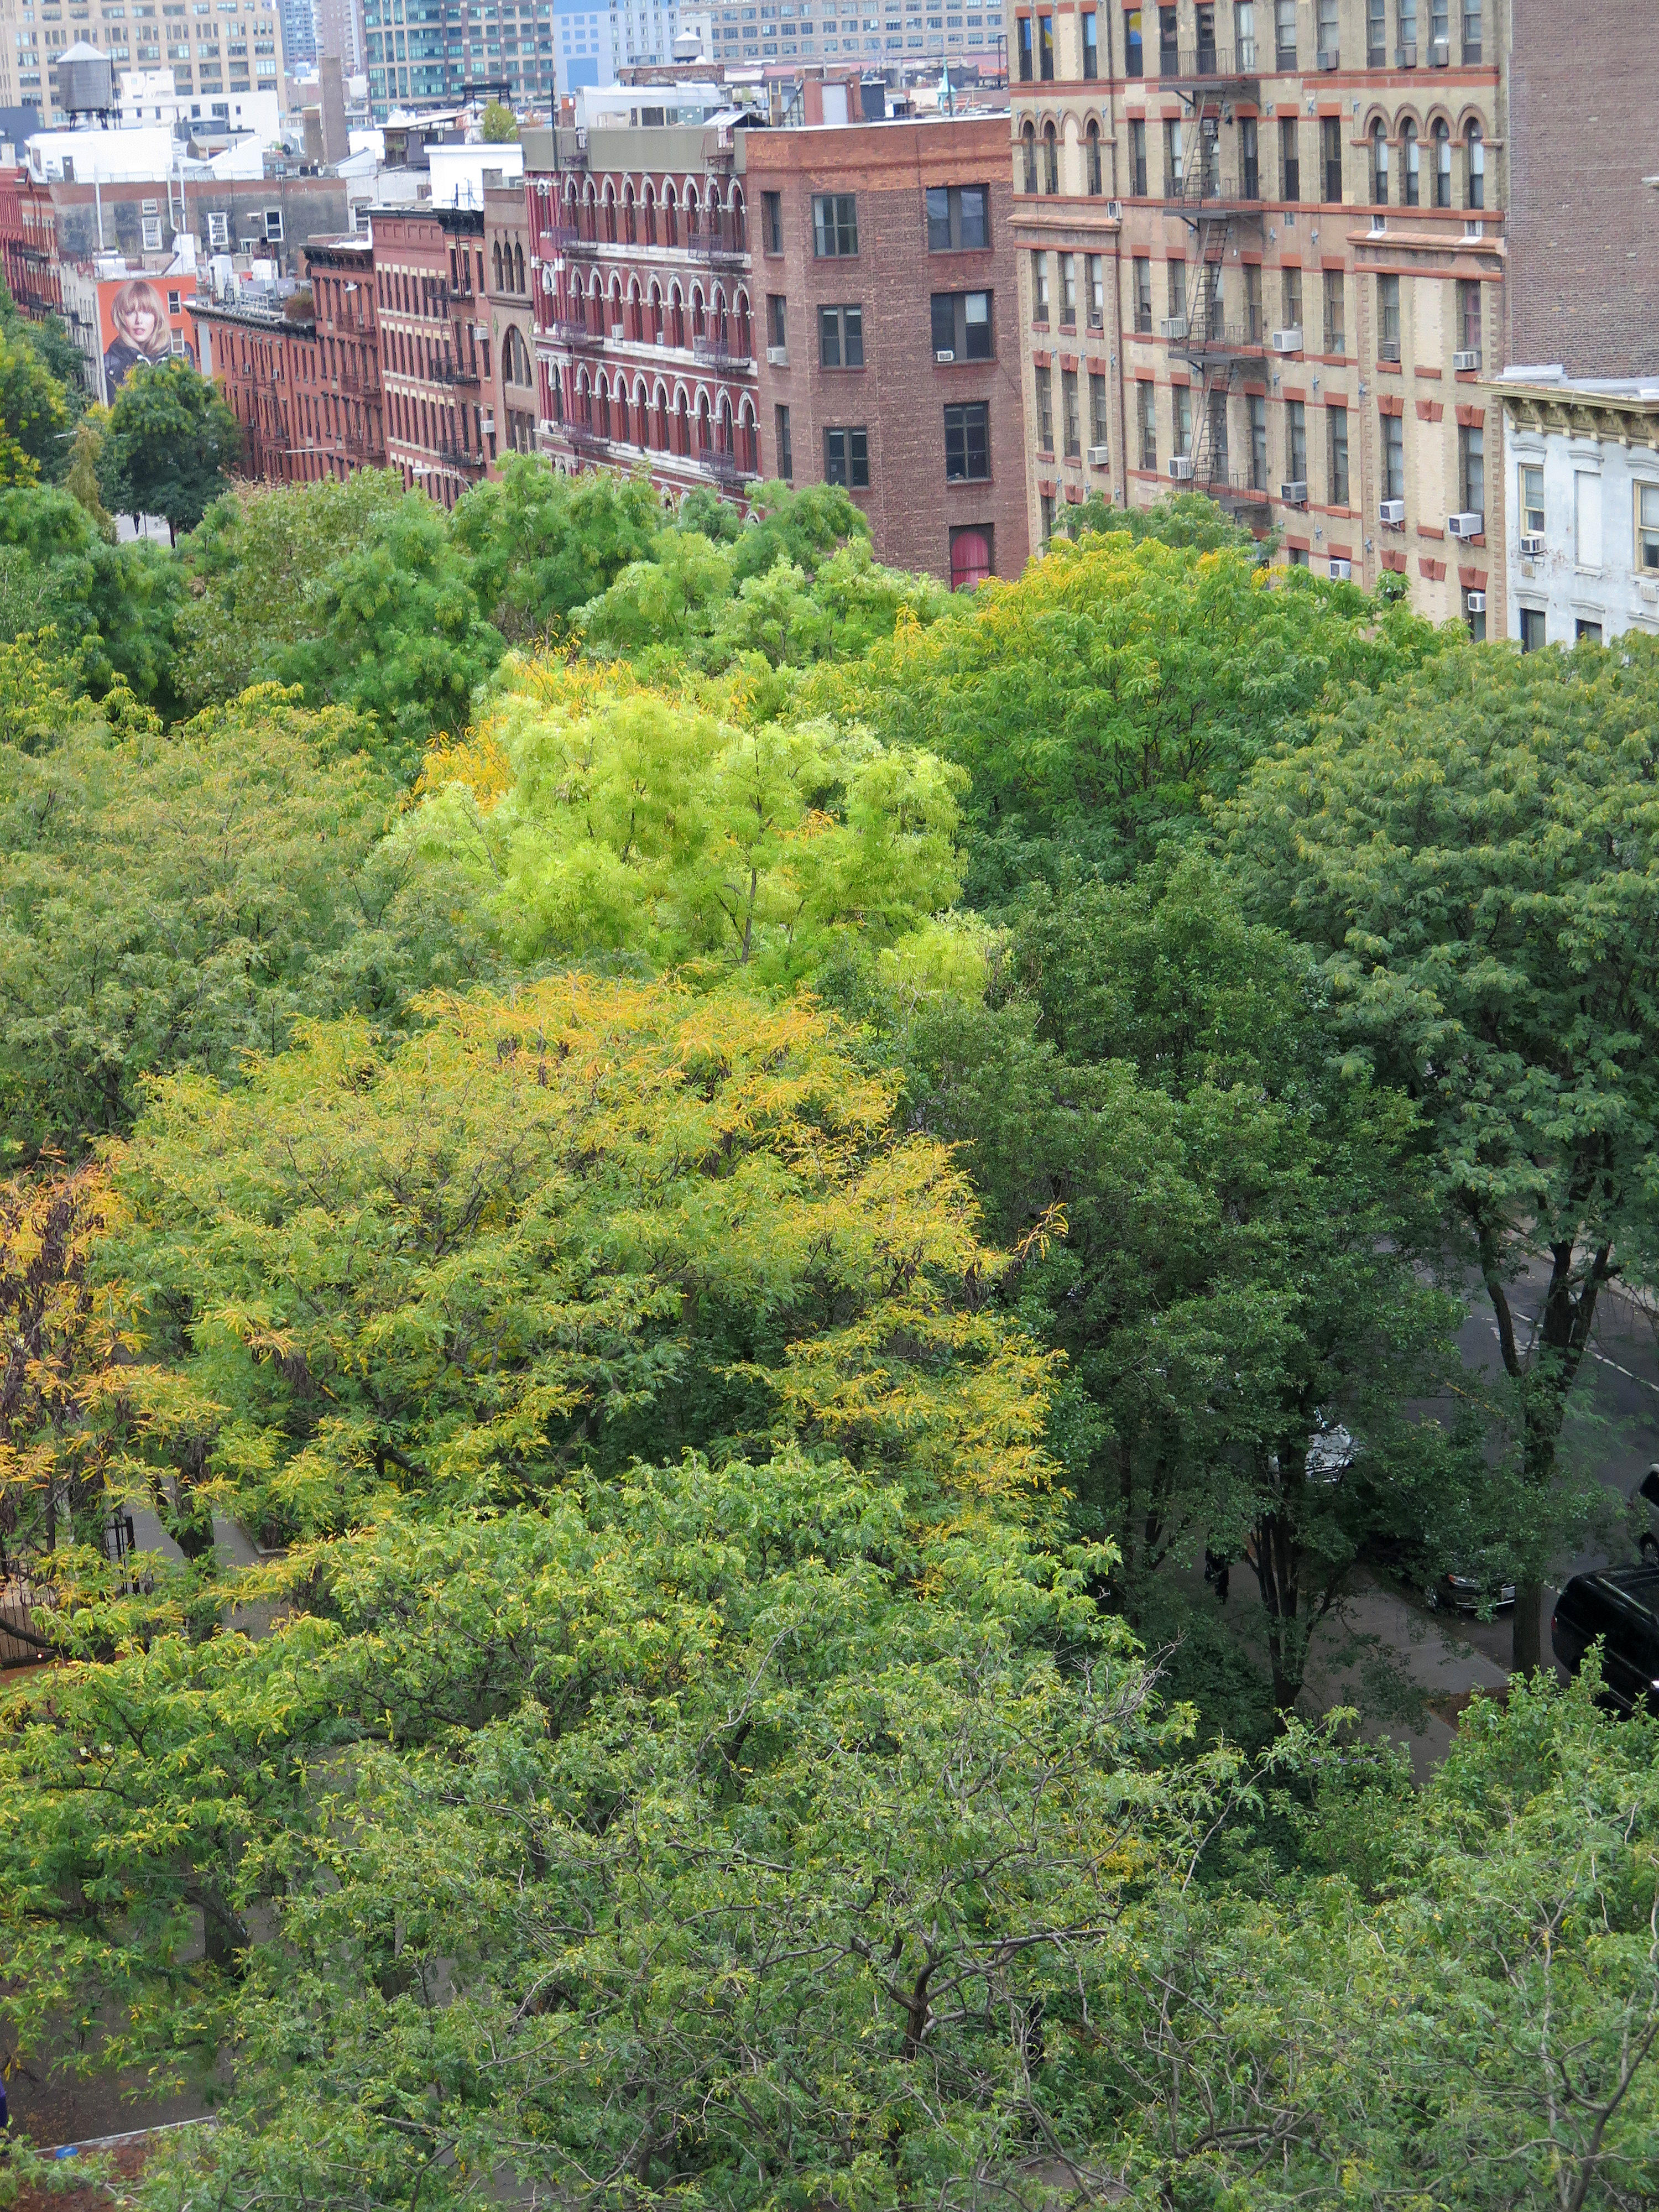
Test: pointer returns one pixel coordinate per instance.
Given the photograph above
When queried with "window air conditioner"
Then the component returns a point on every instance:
(1115, 211)
(1467, 525)
(1181, 468)
(1099, 456)
(944, 354)
(1173, 326)
(1469, 358)
(1294, 495)
(1393, 514)
(1531, 542)
(1287, 341)
(1406, 57)
(777, 356)
(1330, 61)
(1341, 571)
(1476, 603)
(1439, 53)
(616, 332)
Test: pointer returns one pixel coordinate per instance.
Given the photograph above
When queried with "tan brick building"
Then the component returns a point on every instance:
(510, 413)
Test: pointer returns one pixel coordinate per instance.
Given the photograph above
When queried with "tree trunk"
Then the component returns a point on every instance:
(1279, 1576)
(1527, 1646)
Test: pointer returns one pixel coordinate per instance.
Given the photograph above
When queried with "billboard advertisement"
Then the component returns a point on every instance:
(144, 318)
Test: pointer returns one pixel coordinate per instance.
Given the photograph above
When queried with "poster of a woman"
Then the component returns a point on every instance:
(135, 329)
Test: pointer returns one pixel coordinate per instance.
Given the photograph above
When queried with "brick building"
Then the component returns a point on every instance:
(430, 294)
(305, 387)
(508, 267)
(1264, 252)
(28, 243)
(722, 305)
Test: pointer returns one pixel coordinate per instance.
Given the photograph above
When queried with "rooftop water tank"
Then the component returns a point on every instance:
(86, 81)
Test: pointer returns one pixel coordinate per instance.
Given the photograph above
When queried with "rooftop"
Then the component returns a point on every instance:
(1551, 379)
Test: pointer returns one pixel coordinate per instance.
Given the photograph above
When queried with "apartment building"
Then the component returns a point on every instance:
(884, 36)
(213, 47)
(509, 272)
(1263, 252)
(824, 304)
(429, 295)
(431, 53)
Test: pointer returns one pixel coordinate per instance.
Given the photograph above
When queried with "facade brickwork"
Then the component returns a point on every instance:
(431, 303)
(511, 416)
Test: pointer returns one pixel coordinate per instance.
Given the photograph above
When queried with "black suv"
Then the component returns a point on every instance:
(1620, 1604)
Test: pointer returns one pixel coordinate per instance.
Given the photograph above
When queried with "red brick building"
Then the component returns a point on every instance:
(431, 305)
(28, 243)
(306, 387)
(723, 305)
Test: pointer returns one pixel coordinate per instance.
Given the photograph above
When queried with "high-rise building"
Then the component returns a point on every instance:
(300, 33)
(880, 35)
(433, 53)
(340, 31)
(238, 48)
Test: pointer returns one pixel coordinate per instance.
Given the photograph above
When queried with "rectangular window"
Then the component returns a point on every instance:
(1182, 396)
(1068, 291)
(1475, 617)
(1023, 33)
(1295, 440)
(1586, 519)
(1290, 291)
(1284, 33)
(1289, 158)
(1532, 499)
(1336, 434)
(1387, 319)
(1468, 315)
(1258, 444)
(1586, 633)
(1175, 286)
(840, 338)
(1071, 414)
(958, 218)
(962, 324)
(967, 444)
(152, 230)
(1250, 158)
(786, 451)
(1090, 47)
(1147, 415)
(1472, 30)
(1647, 524)
(1046, 514)
(1173, 154)
(1138, 160)
(1098, 419)
(846, 457)
(1045, 410)
(1039, 288)
(1095, 271)
(835, 225)
(1253, 302)
(1376, 32)
(1393, 456)
(1336, 312)
(772, 221)
(777, 320)
(1329, 38)
(1532, 629)
(1141, 271)
(1134, 53)
(1168, 53)
(1046, 48)
(1330, 142)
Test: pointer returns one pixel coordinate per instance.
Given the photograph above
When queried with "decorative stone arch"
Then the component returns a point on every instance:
(1027, 176)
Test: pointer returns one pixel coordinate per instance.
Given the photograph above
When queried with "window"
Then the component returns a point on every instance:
(1249, 159)
(1169, 56)
(1471, 30)
(1093, 175)
(1586, 519)
(1045, 410)
(1174, 287)
(1028, 148)
(1094, 269)
(1335, 325)
(1393, 456)
(1532, 629)
(1046, 48)
(970, 557)
(1284, 33)
(1442, 166)
(1440, 27)
(1046, 514)
(962, 324)
(840, 338)
(846, 457)
(1023, 32)
(1408, 164)
(1039, 288)
(1090, 47)
(1387, 319)
(1253, 302)
(1380, 164)
(1068, 291)
(772, 221)
(1586, 633)
(1336, 438)
(1532, 498)
(1296, 439)
(218, 232)
(1138, 160)
(1146, 417)
(1330, 147)
(1258, 408)
(786, 451)
(152, 227)
(958, 218)
(1376, 32)
(1474, 615)
(1476, 165)
(967, 444)
(1071, 414)
(1140, 271)
(1468, 316)
(777, 320)
(1172, 153)
(1329, 38)
(1098, 433)
(1050, 159)
(1291, 288)
(1220, 459)
(1182, 394)
(273, 226)
(1134, 63)
(1244, 26)
(1290, 164)
(1647, 521)
(835, 225)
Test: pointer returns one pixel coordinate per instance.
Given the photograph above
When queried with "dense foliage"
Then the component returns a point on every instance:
(736, 1170)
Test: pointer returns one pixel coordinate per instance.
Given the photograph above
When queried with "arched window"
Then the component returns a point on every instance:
(1475, 144)
(1050, 159)
(629, 230)
(702, 422)
(1442, 166)
(671, 219)
(1028, 146)
(1091, 159)
(1408, 165)
(609, 212)
(1380, 164)
(495, 263)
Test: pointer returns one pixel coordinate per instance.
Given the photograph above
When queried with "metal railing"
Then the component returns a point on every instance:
(1207, 62)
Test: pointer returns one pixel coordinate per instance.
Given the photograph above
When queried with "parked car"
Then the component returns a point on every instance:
(1620, 1606)
(1463, 1593)
(1645, 1499)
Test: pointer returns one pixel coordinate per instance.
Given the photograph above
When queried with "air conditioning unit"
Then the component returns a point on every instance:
(1173, 326)
(1469, 358)
(1100, 455)
(1341, 571)
(1330, 61)
(1391, 513)
(1467, 525)
(1439, 53)
(1294, 495)
(1115, 211)
(1287, 341)
(944, 354)
(1406, 57)
(1181, 468)
(777, 356)
(616, 332)
(1531, 542)
(1388, 349)
(1476, 603)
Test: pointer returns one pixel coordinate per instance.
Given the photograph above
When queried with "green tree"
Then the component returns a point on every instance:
(82, 479)
(500, 124)
(32, 414)
(1182, 518)
(1471, 853)
(113, 607)
(540, 544)
(171, 441)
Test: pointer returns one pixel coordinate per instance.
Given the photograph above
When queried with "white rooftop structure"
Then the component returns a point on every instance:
(457, 172)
